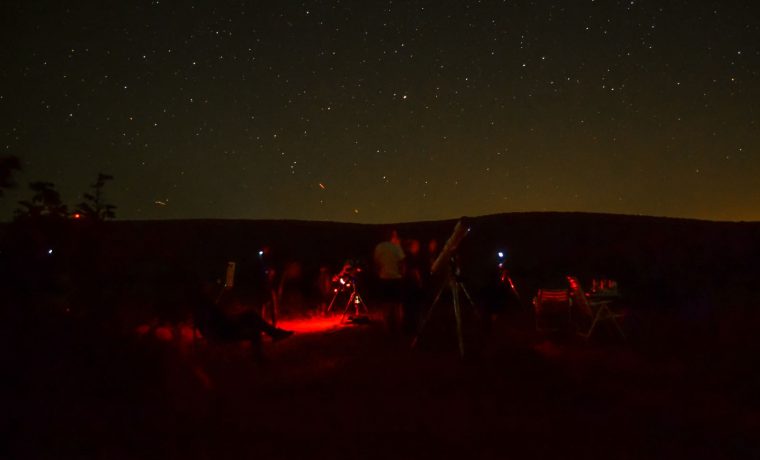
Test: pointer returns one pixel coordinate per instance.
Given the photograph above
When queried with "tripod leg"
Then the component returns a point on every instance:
(438, 296)
(222, 292)
(467, 294)
(348, 305)
(361, 304)
(357, 302)
(513, 288)
(458, 316)
(427, 318)
(469, 299)
(275, 308)
(332, 302)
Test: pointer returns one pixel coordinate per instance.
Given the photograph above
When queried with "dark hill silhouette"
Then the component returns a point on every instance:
(659, 262)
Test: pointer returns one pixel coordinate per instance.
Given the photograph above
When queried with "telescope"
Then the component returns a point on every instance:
(447, 258)
(449, 249)
(349, 272)
(345, 281)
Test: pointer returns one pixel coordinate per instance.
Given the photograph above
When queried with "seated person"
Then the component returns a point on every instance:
(216, 322)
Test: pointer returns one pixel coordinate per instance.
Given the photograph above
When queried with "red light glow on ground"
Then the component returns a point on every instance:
(184, 332)
(310, 325)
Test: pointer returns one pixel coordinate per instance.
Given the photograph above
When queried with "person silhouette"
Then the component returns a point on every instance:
(413, 286)
(389, 268)
(225, 320)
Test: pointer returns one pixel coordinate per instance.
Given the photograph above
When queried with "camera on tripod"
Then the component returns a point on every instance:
(344, 286)
(504, 276)
(346, 278)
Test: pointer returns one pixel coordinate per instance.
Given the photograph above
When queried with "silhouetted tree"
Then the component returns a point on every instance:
(93, 207)
(8, 164)
(46, 202)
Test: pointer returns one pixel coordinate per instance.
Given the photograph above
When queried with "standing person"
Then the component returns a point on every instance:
(414, 269)
(389, 260)
(324, 289)
(432, 252)
(271, 306)
(414, 264)
(289, 292)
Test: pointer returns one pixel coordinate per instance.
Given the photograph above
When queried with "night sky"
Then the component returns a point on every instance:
(386, 111)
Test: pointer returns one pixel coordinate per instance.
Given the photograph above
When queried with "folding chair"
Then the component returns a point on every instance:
(549, 302)
(597, 310)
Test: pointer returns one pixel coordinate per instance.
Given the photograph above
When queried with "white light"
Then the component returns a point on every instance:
(501, 255)
(261, 253)
(50, 251)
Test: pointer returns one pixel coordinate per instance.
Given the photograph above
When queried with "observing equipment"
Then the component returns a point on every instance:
(345, 283)
(504, 276)
(271, 306)
(229, 281)
(229, 276)
(460, 231)
(447, 262)
(349, 271)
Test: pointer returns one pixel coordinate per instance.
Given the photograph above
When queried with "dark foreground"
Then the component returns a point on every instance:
(358, 392)
(78, 382)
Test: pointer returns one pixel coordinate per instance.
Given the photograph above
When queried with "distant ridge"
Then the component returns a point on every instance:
(660, 261)
(560, 214)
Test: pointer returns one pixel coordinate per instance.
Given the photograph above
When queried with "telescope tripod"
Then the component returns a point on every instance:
(354, 299)
(506, 279)
(455, 285)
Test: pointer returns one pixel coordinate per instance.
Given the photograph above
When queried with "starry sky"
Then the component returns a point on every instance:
(363, 111)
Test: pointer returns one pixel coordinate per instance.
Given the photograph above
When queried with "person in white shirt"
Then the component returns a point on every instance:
(389, 267)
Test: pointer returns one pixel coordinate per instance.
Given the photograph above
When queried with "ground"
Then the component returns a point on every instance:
(355, 391)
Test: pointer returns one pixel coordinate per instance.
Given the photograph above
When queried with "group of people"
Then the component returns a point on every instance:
(403, 274)
(401, 270)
